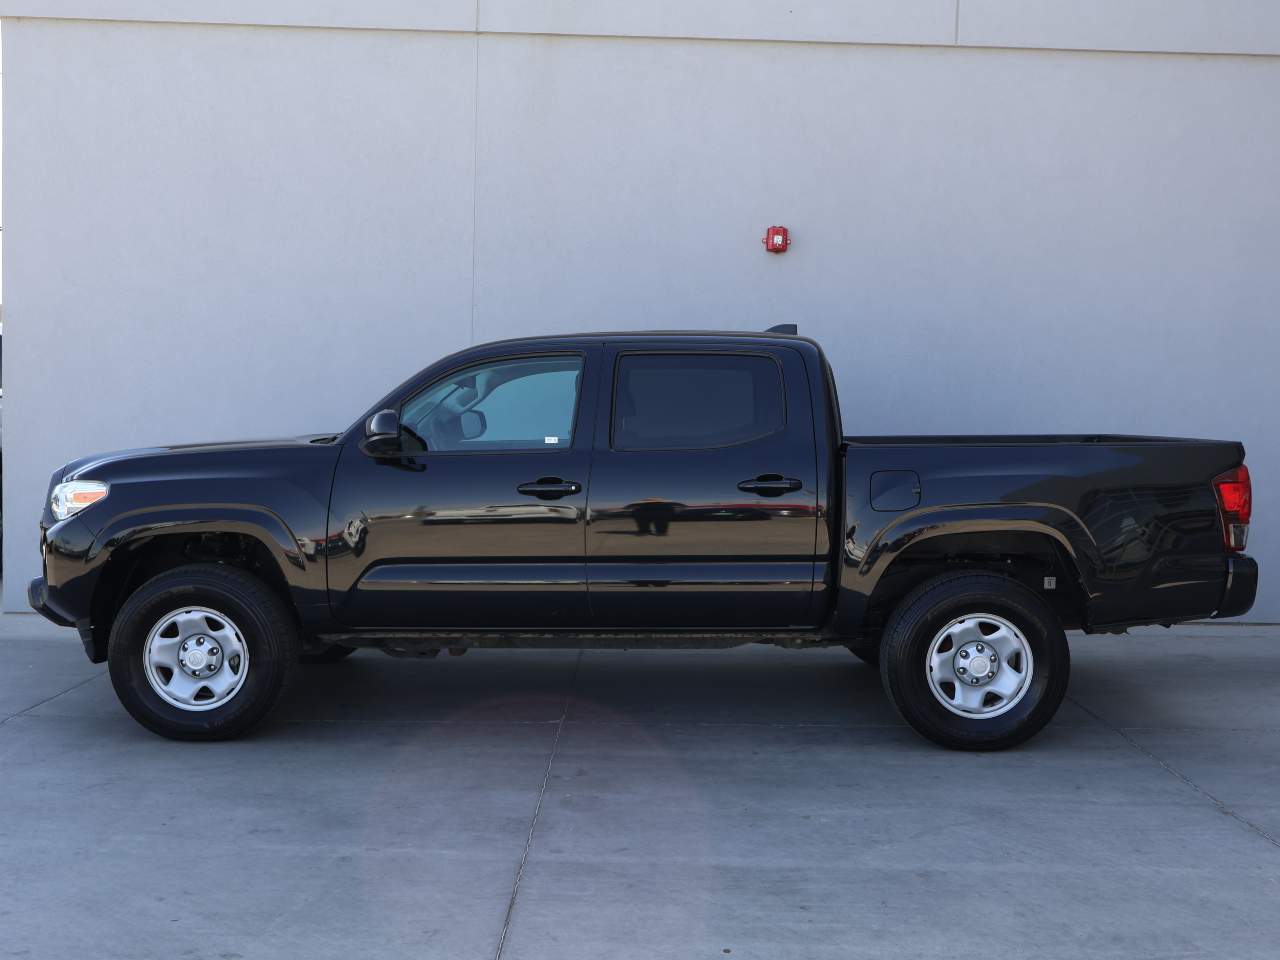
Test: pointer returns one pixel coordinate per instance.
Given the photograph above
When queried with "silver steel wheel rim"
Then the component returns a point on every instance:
(195, 659)
(979, 666)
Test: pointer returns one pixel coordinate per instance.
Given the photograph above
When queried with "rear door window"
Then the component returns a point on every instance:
(695, 401)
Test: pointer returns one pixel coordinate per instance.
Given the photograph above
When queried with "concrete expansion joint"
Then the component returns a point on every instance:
(1179, 775)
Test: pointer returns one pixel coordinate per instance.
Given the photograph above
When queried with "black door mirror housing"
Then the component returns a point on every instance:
(382, 435)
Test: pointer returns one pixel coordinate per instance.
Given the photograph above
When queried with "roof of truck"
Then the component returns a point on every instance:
(656, 335)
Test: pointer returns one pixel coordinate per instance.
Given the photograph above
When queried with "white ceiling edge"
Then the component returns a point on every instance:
(1250, 27)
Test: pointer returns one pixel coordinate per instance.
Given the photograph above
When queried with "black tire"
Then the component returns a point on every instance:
(269, 632)
(329, 653)
(926, 611)
(868, 655)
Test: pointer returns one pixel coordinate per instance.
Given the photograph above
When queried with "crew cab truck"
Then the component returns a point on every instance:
(637, 490)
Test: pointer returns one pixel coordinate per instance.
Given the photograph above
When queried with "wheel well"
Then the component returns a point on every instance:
(134, 563)
(1029, 558)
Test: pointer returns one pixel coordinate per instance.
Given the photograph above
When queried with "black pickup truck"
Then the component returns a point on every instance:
(637, 490)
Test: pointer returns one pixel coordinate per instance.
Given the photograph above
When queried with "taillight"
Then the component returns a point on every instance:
(1235, 503)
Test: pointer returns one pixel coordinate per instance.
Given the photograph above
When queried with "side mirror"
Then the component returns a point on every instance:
(382, 434)
(473, 424)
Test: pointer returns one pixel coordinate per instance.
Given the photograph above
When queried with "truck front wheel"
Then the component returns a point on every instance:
(201, 652)
(975, 661)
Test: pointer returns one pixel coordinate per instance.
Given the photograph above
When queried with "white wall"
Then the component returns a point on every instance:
(1, 155)
(222, 230)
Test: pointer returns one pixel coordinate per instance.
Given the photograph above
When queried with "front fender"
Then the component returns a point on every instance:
(296, 557)
(75, 558)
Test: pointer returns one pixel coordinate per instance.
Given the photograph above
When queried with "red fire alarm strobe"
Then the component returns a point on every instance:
(777, 239)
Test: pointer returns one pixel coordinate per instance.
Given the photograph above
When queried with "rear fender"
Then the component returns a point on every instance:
(865, 563)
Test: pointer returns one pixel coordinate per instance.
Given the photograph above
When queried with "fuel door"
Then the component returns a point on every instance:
(895, 490)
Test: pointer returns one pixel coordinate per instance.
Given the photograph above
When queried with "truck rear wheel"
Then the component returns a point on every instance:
(975, 661)
(201, 652)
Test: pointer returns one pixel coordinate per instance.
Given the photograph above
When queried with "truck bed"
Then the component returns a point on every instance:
(1136, 515)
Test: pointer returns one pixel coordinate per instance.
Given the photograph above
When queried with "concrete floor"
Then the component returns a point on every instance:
(754, 803)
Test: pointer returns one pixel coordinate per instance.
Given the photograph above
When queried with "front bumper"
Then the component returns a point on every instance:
(64, 595)
(38, 597)
(1241, 588)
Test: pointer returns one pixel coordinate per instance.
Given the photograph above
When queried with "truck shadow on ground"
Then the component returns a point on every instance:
(745, 685)
(1221, 685)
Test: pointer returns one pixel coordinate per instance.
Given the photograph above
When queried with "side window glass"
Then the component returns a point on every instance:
(524, 404)
(695, 401)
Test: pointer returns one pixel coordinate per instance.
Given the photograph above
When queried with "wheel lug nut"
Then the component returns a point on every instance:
(961, 671)
(991, 674)
(964, 654)
(981, 648)
(200, 643)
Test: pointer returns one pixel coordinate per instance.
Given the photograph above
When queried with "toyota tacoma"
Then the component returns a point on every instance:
(638, 490)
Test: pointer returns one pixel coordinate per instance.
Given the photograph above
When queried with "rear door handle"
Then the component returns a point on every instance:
(770, 485)
(549, 488)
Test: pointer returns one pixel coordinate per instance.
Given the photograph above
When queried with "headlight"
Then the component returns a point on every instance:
(74, 495)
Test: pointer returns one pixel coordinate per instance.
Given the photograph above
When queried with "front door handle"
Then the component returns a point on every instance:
(770, 485)
(549, 488)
